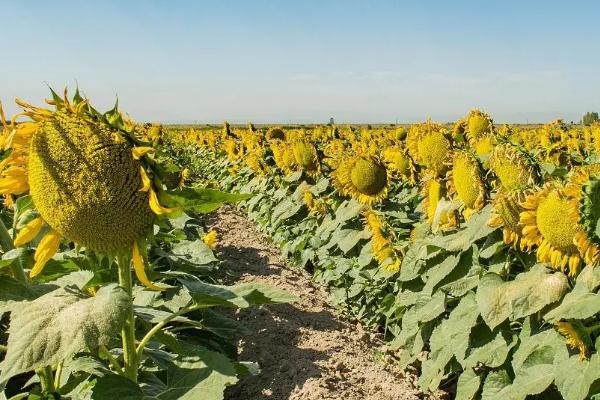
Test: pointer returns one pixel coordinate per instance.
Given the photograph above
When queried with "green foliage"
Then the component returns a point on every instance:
(589, 118)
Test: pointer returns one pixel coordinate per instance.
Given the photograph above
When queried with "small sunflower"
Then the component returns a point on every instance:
(275, 133)
(284, 156)
(478, 125)
(383, 250)
(429, 145)
(363, 178)
(306, 157)
(399, 162)
(434, 192)
(514, 167)
(316, 206)
(211, 239)
(550, 220)
(466, 182)
(506, 211)
(577, 337)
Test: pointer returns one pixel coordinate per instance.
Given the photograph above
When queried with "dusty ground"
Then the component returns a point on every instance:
(304, 350)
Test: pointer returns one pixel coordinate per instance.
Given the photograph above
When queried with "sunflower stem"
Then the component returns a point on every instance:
(128, 331)
(6, 242)
(46, 379)
(156, 328)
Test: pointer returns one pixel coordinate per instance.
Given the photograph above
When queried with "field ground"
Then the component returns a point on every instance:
(304, 350)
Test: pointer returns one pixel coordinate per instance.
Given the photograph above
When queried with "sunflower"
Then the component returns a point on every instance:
(434, 192)
(233, 149)
(383, 251)
(306, 157)
(399, 162)
(466, 183)
(283, 156)
(550, 220)
(585, 191)
(275, 133)
(478, 125)
(506, 211)
(514, 167)
(430, 147)
(363, 178)
(316, 206)
(211, 239)
(89, 181)
(577, 337)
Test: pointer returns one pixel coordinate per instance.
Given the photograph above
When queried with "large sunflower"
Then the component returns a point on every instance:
(90, 181)
(362, 177)
(466, 182)
(550, 220)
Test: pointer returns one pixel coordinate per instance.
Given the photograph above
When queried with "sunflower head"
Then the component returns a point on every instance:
(275, 133)
(577, 337)
(306, 156)
(478, 124)
(514, 167)
(398, 161)
(466, 182)
(430, 147)
(363, 178)
(506, 211)
(550, 220)
(437, 214)
(85, 182)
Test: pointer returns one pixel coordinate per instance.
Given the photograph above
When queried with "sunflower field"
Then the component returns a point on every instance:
(472, 247)
(109, 286)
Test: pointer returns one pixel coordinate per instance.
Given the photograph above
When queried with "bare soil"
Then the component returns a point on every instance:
(304, 350)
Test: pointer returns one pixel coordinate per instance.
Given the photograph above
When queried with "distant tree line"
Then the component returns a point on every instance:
(589, 118)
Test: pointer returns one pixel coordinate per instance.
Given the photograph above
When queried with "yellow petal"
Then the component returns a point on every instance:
(210, 239)
(156, 207)
(46, 249)
(140, 272)
(139, 152)
(29, 232)
(145, 180)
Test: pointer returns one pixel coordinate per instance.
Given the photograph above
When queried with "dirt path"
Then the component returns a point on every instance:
(304, 351)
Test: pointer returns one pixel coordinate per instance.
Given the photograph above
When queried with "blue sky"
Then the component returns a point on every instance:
(304, 61)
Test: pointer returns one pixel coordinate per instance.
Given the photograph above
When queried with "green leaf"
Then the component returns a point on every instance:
(116, 387)
(468, 385)
(495, 383)
(202, 200)
(200, 374)
(476, 228)
(195, 252)
(59, 324)
(574, 377)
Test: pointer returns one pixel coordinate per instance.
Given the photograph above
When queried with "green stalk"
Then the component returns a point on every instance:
(46, 379)
(128, 331)
(159, 326)
(113, 361)
(6, 242)
(57, 375)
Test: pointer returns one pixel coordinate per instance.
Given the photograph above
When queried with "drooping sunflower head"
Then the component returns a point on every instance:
(306, 156)
(466, 182)
(484, 146)
(363, 178)
(434, 201)
(478, 124)
(550, 220)
(84, 182)
(275, 133)
(577, 337)
(284, 157)
(398, 161)
(429, 145)
(506, 211)
(514, 167)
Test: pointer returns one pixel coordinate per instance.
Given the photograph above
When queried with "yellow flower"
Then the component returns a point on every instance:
(363, 178)
(139, 152)
(577, 337)
(506, 211)
(513, 167)
(211, 239)
(550, 221)
(466, 182)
